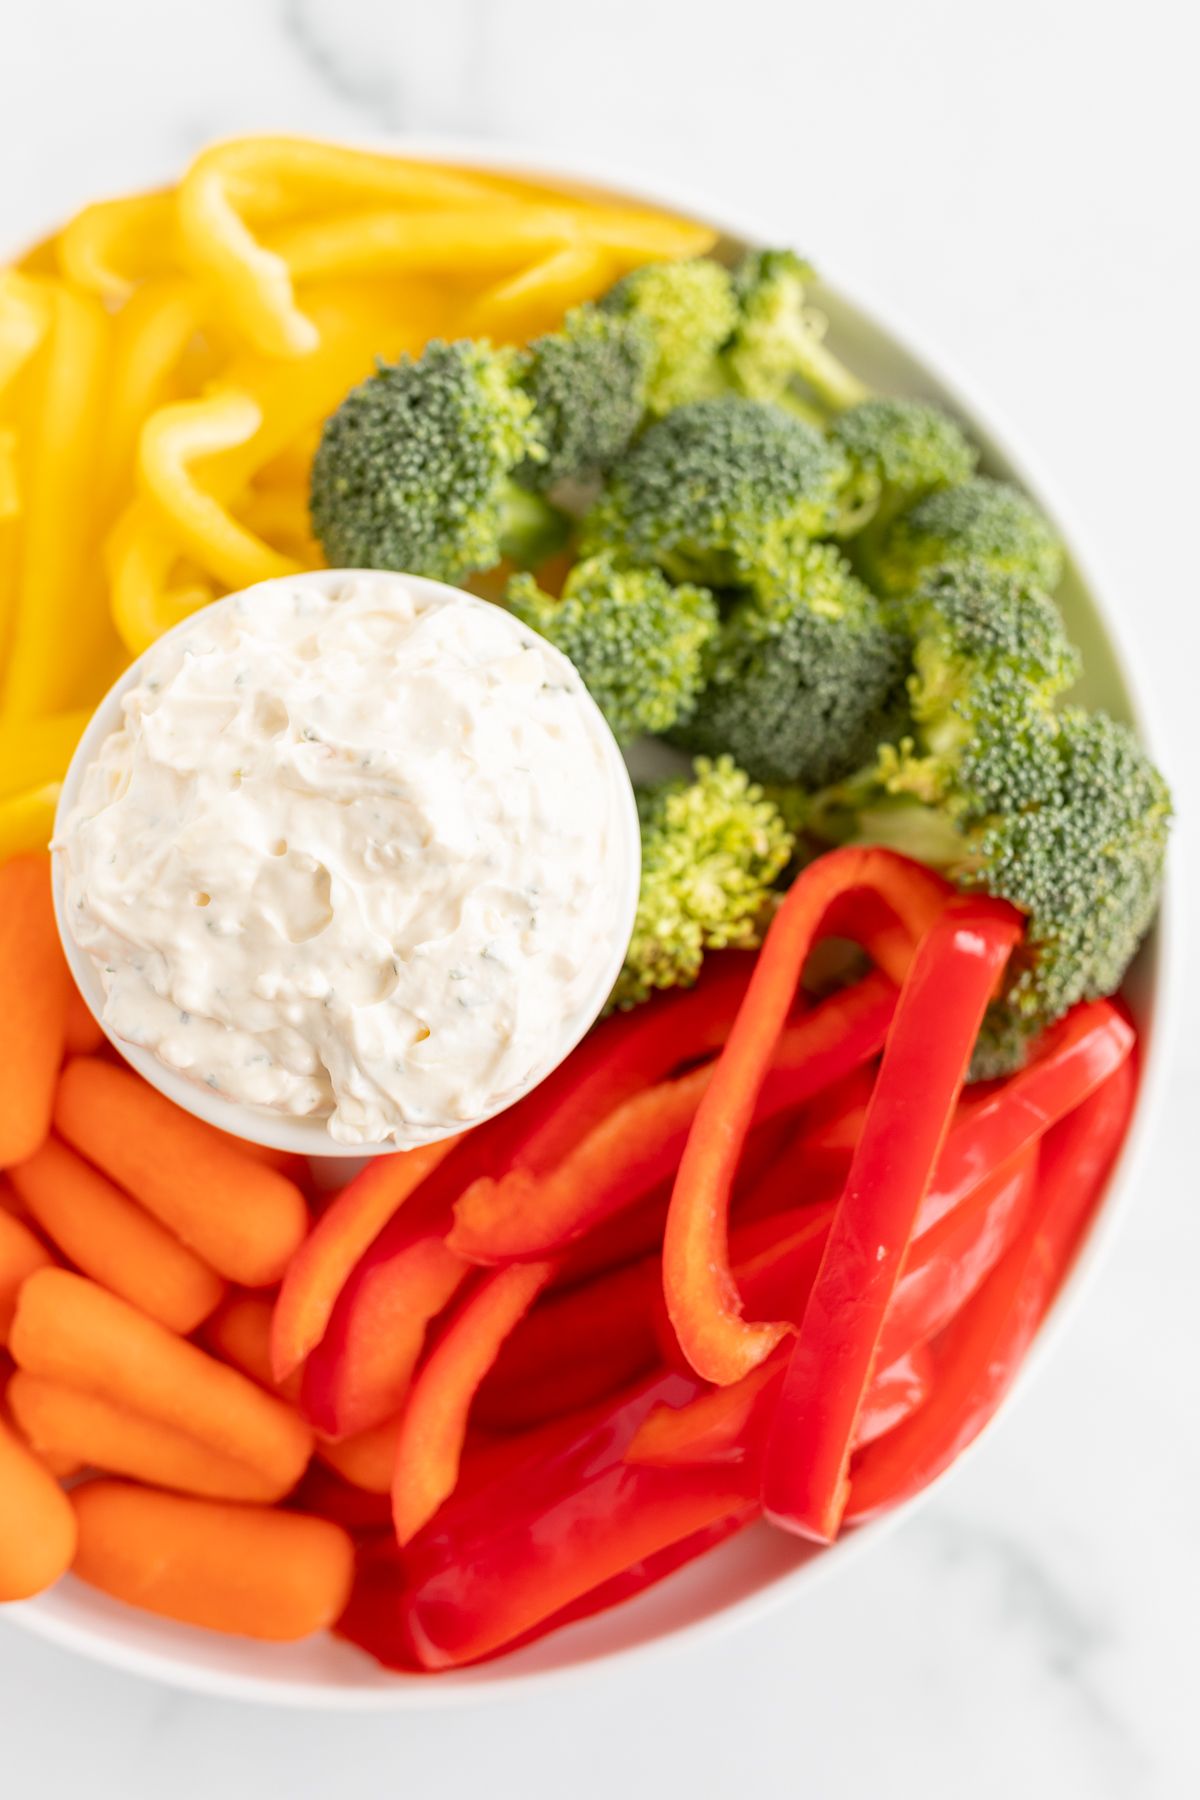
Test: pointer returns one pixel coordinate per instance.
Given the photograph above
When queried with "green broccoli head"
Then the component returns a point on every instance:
(413, 469)
(712, 848)
(723, 491)
(588, 383)
(636, 641)
(899, 451)
(687, 311)
(981, 520)
(805, 676)
(778, 339)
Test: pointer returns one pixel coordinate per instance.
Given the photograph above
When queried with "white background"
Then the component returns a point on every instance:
(1019, 180)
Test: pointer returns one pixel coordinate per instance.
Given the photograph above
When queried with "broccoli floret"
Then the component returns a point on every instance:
(711, 850)
(588, 385)
(722, 491)
(1061, 813)
(413, 469)
(688, 311)
(778, 338)
(805, 676)
(899, 451)
(635, 640)
(980, 520)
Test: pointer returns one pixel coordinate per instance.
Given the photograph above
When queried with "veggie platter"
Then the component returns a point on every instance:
(773, 1241)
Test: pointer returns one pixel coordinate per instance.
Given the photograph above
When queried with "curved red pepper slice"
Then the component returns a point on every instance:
(701, 1296)
(977, 1358)
(957, 966)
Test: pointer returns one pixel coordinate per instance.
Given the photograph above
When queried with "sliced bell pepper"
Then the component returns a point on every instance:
(638, 1145)
(977, 1358)
(326, 1259)
(361, 1371)
(433, 1425)
(954, 974)
(701, 1296)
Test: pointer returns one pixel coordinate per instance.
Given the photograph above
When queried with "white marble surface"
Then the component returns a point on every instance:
(1019, 180)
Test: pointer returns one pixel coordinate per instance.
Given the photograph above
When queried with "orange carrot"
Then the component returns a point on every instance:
(84, 1035)
(109, 1237)
(239, 1332)
(433, 1425)
(37, 1525)
(64, 1423)
(366, 1460)
(325, 1261)
(250, 1570)
(20, 1255)
(10, 1200)
(34, 984)
(241, 1216)
(70, 1330)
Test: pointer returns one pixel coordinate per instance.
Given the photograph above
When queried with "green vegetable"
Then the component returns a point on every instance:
(778, 339)
(413, 469)
(805, 676)
(980, 520)
(899, 451)
(636, 640)
(687, 310)
(588, 384)
(722, 491)
(1061, 813)
(711, 850)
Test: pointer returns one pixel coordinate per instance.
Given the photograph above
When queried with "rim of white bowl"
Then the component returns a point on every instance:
(260, 1125)
(507, 1677)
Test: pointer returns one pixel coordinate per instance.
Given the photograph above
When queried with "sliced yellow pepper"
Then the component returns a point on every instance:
(523, 306)
(109, 247)
(151, 333)
(141, 555)
(10, 480)
(59, 628)
(27, 820)
(36, 751)
(280, 516)
(26, 315)
(172, 440)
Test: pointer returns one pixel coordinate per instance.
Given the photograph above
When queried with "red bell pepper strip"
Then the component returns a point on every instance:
(639, 1144)
(326, 1259)
(701, 1297)
(575, 1347)
(894, 1395)
(361, 1371)
(433, 1425)
(954, 975)
(323, 1492)
(977, 1359)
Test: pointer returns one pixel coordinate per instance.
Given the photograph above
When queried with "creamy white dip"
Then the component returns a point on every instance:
(354, 855)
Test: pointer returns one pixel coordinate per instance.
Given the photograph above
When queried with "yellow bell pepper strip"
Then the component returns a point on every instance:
(27, 819)
(172, 440)
(26, 316)
(34, 752)
(10, 480)
(955, 972)
(700, 1292)
(140, 555)
(60, 629)
(109, 247)
(522, 306)
(433, 1425)
(259, 175)
(150, 335)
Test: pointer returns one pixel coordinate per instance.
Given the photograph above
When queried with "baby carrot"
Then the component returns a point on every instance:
(83, 1033)
(242, 1217)
(239, 1332)
(65, 1423)
(68, 1329)
(253, 1571)
(37, 1525)
(109, 1237)
(21, 1255)
(34, 984)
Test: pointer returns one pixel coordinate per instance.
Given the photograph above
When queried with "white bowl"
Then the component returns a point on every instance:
(305, 1136)
(760, 1569)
